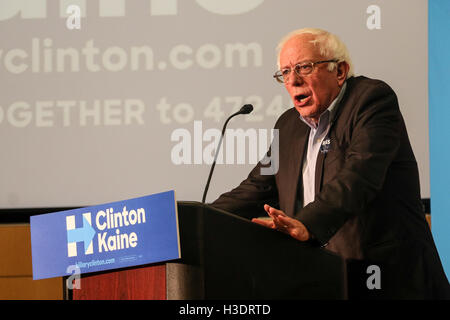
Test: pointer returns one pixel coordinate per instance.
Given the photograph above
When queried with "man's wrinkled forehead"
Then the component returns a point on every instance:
(299, 48)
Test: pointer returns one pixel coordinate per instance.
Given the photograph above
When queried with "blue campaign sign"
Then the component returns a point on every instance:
(109, 236)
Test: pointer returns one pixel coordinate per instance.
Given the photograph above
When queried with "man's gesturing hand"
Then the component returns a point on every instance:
(283, 223)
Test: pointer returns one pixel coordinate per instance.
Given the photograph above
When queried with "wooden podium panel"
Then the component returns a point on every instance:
(141, 283)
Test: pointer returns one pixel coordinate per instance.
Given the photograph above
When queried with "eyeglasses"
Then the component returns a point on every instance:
(301, 69)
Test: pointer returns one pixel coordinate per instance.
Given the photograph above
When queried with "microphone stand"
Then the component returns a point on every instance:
(244, 110)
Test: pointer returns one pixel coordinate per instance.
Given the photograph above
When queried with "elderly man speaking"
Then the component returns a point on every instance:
(347, 179)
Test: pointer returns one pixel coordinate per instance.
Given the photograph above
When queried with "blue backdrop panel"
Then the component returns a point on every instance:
(439, 117)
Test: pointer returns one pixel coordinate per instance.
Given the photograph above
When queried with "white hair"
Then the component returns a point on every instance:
(330, 46)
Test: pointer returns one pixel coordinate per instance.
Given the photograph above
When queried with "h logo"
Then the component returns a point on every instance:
(84, 234)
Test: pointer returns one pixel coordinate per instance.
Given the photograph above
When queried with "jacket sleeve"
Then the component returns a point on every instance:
(375, 135)
(247, 200)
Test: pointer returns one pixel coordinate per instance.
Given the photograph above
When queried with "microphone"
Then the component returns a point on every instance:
(246, 109)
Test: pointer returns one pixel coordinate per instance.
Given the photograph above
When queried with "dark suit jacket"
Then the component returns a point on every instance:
(367, 204)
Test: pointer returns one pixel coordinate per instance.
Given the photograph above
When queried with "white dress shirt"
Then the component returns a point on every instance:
(316, 136)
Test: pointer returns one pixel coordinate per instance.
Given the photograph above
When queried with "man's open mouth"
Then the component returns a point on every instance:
(301, 99)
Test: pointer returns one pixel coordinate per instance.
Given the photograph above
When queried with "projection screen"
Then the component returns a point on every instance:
(129, 103)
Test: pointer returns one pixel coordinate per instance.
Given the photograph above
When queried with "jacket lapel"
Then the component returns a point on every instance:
(319, 171)
(318, 176)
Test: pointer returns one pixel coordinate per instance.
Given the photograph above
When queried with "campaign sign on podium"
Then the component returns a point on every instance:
(109, 236)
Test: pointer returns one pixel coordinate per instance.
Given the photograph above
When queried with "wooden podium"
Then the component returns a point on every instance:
(224, 256)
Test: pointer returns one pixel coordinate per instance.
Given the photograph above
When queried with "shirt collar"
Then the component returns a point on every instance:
(331, 110)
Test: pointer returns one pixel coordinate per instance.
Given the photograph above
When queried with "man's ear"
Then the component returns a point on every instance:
(342, 71)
